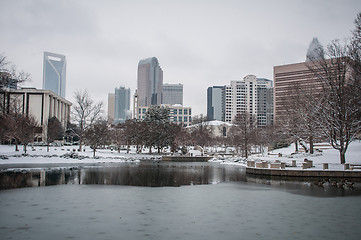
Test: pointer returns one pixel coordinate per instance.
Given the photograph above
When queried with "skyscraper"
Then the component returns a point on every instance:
(54, 73)
(150, 82)
(111, 106)
(215, 103)
(264, 102)
(121, 104)
(253, 95)
(172, 94)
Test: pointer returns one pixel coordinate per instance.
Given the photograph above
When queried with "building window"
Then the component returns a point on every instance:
(185, 119)
(185, 111)
(179, 119)
(180, 111)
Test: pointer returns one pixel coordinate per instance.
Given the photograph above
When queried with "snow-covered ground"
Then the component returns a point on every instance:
(69, 154)
(329, 155)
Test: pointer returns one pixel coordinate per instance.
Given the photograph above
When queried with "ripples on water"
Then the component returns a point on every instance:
(96, 204)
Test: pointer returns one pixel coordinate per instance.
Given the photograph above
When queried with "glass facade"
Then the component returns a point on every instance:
(54, 73)
(122, 105)
(150, 82)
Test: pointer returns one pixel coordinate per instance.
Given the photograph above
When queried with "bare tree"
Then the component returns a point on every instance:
(9, 75)
(97, 134)
(55, 131)
(85, 112)
(22, 128)
(243, 131)
(339, 112)
(300, 122)
(201, 132)
(118, 136)
(135, 132)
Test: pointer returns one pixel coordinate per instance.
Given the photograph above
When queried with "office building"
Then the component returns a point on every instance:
(216, 103)
(264, 102)
(54, 73)
(150, 82)
(177, 114)
(111, 106)
(172, 94)
(240, 96)
(253, 95)
(41, 104)
(121, 104)
(289, 81)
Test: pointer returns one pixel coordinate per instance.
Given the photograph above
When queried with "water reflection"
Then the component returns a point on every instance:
(159, 174)
(143, 174)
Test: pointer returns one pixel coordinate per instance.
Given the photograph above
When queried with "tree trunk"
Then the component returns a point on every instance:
(93, 152)
(80, 146)
(311, 144)
(47, 147)
(296, 146)
(25, 148)
(16, 146)
(342, 157)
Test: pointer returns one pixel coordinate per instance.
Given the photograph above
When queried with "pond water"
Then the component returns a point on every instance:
(171, 201)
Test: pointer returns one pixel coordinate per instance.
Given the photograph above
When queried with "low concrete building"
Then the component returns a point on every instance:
(217, 128)
(41, 104)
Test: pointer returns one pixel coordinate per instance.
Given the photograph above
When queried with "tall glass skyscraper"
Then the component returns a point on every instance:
(121, 104)
(54, 73)
(215, 103)
(150, 82)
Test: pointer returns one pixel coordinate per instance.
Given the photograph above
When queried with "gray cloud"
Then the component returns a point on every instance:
(198, 43)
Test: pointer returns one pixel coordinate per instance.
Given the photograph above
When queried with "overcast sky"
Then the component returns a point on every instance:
(199, 43)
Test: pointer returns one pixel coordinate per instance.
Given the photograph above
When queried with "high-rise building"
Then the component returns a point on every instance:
(121, 104)
(253, 95)
(240, 97)
(264, 102)
(172, 94)
(150, 82)
(54, 73)
(111, 106)
(215, 103)
(289, 81)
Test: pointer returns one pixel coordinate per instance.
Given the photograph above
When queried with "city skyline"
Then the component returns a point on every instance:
(104, 42)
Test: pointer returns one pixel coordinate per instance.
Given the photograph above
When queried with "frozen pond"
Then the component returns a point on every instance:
(212, 202)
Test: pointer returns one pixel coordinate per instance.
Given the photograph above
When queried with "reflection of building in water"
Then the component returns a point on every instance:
(144, 174)
(42, 178)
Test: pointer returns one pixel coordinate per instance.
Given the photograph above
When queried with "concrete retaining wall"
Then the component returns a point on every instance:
(303, 173)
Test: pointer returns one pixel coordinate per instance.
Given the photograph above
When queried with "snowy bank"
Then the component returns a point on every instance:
(287, 155)
(67, 155)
